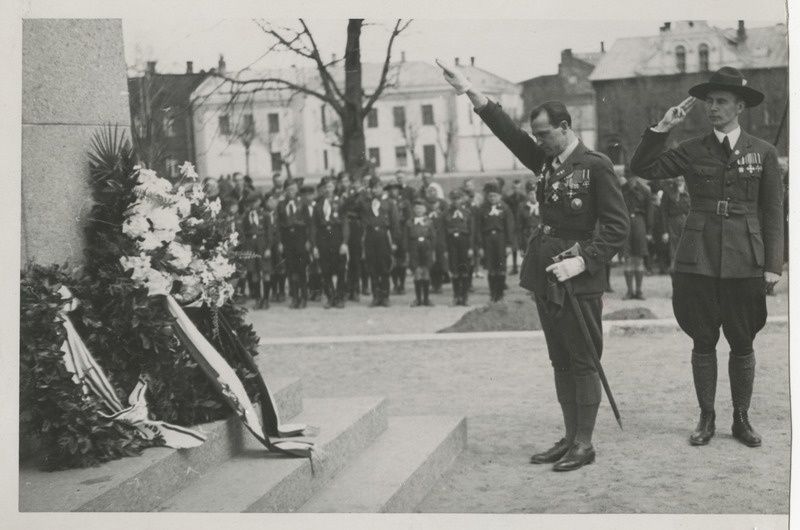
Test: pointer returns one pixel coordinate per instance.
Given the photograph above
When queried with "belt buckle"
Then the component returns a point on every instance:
(420, 239)
(455, 234)
(547, 229)
(723, 208)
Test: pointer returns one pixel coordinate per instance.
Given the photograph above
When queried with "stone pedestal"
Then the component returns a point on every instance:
(74, 82)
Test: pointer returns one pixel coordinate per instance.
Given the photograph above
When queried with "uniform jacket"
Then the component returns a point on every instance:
(292, 221)
(414, 231)
(385, 222)
(527, 220)
(582, 196)
(333, 230)
(498, 218)
(639, 201)
(460, 219)
(746, 237)
(257, 231)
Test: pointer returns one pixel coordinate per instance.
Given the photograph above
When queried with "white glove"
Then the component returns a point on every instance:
(771, 278)
(456, 79)
(564, 270)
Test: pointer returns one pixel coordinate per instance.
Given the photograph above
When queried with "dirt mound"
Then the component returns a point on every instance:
(631, 313)
(509, 315)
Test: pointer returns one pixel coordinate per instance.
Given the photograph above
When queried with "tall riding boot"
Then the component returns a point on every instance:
(741, 369)
(464, 291)
(501, 287)
(629, 285)
(402, 275)
(492, 288)
(588, 393)
(639, 277)
(418, 292)
(704, 372)
(303, 291)
(565, 392)
(456, 283)
(426, 289)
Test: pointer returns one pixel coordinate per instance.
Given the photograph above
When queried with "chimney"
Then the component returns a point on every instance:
(221, 65)
(189, 67)
(665, 27)
(602, 47)
(402, 57)
(566, 56)
(457, 61)
(151, 67)
(472, 61)
(741, 34)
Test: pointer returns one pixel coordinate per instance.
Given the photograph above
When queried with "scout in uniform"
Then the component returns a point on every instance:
(638, 200)
(294, 221)
(527, 216)
(381, 231)
(353, 204)
(459, 227)
(309, 196)
(731, 248)
(580, 202)
(329, 239)
(513, 200)
(394, 189)
(420, 240)
(256, 238)
(494, 227)
(436, 210)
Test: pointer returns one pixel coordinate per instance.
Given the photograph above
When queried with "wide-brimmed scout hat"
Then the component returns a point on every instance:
(728, 79)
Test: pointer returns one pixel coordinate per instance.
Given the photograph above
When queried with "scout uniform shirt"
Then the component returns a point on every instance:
(735, 227)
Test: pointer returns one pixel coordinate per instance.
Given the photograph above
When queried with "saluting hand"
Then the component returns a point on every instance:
(675, 115)
(456, 79)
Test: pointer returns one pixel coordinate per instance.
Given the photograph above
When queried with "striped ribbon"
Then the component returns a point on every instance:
(87, 373)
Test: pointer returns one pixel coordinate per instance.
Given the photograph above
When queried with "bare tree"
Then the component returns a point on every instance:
(445, 139)
(349, 101)
(480, 139)
(410, 132)
(245, 133)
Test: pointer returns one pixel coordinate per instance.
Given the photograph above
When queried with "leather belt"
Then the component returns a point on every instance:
(722, 208)
(562, 233)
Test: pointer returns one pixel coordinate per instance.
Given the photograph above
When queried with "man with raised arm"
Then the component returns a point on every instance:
(731, 247)
(580, 202)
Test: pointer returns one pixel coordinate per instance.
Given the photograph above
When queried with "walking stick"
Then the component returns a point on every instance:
(573, 252)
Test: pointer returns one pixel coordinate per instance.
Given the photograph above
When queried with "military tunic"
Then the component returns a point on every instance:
(331, 229)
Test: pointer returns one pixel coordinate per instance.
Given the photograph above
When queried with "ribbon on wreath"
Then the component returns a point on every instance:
(227, 383)
(87, 373)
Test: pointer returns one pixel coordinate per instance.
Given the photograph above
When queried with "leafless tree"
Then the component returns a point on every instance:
(480, 139)
(445, 139)
(410, 132)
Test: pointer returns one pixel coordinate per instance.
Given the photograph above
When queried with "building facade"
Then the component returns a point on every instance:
(640, 78)
(417, 124)
(572, 87)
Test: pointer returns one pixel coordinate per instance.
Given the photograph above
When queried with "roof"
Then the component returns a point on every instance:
(765, 47)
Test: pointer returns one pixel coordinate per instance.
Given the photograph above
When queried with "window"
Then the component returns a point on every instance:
(277, 161)
(169, 126)
(248, 124)
(427, 115)
(224, 125)
(172, 167)
(273, 123)
(325, 159)
(372, 118)
(399, 114)
(680, 59)
(322, 114)
(702, 50)
(400, 156)
(374, 154)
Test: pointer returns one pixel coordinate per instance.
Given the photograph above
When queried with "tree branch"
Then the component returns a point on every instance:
(399, 27)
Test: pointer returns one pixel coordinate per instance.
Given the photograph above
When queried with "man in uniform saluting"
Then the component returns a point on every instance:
(578, 192)
(731, 248)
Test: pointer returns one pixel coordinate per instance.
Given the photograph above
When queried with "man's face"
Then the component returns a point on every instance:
(377, 191)
(469, 185)
(430, 193)
(238, 182)
(212, 188)
(426, 179)
(493, 198)
(291, 191)
(552, 139)
(329, 188)
(723, 109)
(419, 210)
(394, 192)
(401, 177)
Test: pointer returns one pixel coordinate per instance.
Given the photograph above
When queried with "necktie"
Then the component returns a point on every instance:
(290, 208)
(726, 145)
(419, 220)
(326, 209)
(376, 206)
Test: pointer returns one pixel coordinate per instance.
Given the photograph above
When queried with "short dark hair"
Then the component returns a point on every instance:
(556, 113)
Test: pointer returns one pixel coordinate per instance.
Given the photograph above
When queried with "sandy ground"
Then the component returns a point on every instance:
(504, 387)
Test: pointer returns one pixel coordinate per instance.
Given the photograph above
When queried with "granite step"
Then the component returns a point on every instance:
(396, 473)
(257, 481)
(142, 483)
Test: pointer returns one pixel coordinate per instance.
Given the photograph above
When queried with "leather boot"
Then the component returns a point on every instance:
(741, 369)
(704, 373)
(465, 291)
(565, 393)
(588, 393)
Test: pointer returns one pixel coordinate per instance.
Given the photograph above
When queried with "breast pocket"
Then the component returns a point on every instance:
(691, 239)
(705, 179)
(578, 204)
(752, 182)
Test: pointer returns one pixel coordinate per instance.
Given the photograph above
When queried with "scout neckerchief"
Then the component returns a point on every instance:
(326, 209)
(419, 220)
(376, 206)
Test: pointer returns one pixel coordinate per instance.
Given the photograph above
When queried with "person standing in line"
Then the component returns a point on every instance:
(420, 240)
(256, 236)
(400, 261)
(381, 231)
(494, 227)
(527, 219)
(731, 248)
(331, 231)
(638, 200)
(459, 227)
(674, 210)
(356, 195)
(513, 199)
(436, 209)
(581, 205)
(294, 221)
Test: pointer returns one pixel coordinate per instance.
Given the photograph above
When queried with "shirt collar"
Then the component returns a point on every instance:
(733, 136)
(560, 159)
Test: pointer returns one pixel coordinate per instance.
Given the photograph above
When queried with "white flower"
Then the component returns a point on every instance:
(214, 207)
(197, 194)
(165, 219)
(139, 264)
(197, 265)
(150, 241)
(183, 205)
(233, 239)
(135, 225)
(191, 288)
(187, 170)
(224, 294)
(192, 221)
(181, 253)
(158, 283)
(221, 268)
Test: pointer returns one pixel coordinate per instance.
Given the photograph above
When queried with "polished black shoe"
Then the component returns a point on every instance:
(705, 429)
(579, 455)
(638, 295)
(743, 431)
(552, 455)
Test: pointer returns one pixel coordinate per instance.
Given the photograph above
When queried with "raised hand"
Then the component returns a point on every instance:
(675, 115)
(456, 79)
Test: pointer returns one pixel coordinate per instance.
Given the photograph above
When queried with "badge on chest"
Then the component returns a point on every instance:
(750, 163)
(569, 187)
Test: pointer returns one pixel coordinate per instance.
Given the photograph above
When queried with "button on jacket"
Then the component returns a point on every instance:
(735, 227)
